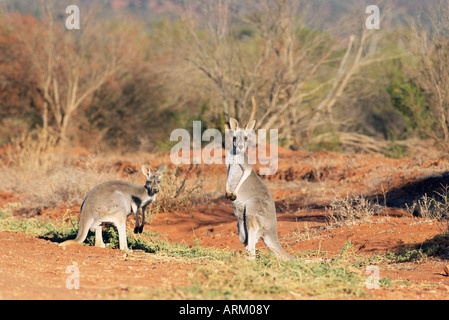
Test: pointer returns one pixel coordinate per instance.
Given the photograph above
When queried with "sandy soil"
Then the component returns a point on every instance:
(306, 182)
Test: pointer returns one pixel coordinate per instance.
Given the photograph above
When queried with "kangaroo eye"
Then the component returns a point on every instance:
(246, 138)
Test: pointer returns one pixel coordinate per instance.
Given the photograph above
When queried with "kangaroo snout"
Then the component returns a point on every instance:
(151, 188)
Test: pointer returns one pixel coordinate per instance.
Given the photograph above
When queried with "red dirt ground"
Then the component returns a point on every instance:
(35, 268)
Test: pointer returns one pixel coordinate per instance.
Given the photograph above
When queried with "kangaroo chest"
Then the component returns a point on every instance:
(235, 173)
(139, 202)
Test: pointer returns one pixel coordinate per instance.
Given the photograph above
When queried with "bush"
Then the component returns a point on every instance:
(348, 211)
(178, 189)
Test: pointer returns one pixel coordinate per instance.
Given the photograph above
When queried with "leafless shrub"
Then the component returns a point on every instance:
(33, 150)
(69, 68)
(435, 208)
(179, 189)
(289, 77)
(430, 47)
(349, 211)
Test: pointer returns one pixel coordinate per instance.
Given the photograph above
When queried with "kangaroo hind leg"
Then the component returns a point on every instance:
(251, 242)
(243, 232)
(253, 235)
(241, 225)
(99, 237)
(121, 228)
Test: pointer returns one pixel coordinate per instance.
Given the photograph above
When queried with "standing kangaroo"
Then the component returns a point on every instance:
(113, 201)
(253, 203)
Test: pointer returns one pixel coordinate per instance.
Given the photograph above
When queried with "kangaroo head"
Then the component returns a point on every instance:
(153, 179)
(240, 136)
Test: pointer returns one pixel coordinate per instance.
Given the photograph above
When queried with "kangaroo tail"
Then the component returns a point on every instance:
(69, 243)
(272, 242)
(82, 233)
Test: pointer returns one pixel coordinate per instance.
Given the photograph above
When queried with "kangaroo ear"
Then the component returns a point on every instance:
(250, 126)
(146, 170)
(234, 124)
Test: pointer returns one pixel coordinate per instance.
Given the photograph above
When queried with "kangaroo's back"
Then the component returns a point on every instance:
(108, 189)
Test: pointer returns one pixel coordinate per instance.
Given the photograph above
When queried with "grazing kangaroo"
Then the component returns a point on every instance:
(253, 203)
(113, 201)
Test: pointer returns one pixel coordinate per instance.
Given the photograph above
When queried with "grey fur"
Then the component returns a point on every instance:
(113, 201)
(253, 203)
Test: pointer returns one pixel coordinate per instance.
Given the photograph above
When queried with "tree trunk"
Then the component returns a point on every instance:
(62, 141)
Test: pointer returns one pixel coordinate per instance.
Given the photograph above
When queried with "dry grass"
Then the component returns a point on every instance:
(350, 211)
(47, 177)
(435, 208)
(33, 150)
(179, 189)
(43, 176)
(63, 182)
